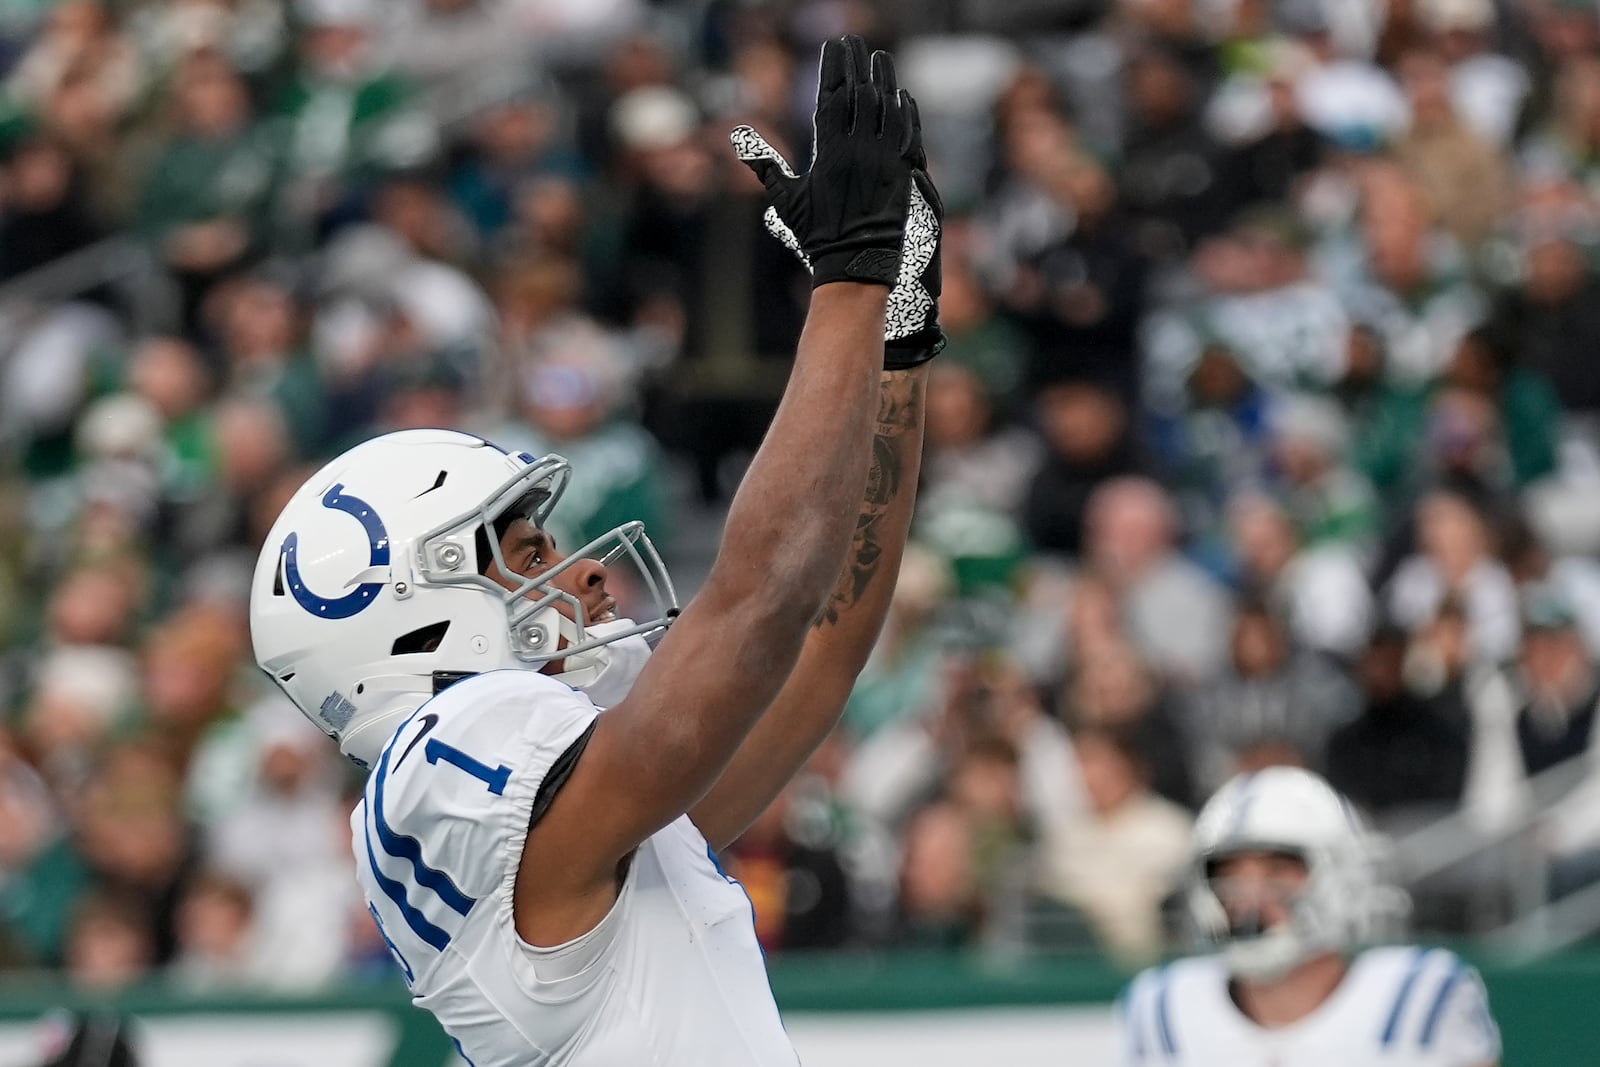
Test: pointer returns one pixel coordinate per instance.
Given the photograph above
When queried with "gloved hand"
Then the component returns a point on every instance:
(866, 211)
(846, 215)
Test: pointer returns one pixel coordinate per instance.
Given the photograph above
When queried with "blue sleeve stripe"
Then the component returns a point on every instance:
(1436, 1012)
(429, 933)
(1131, 1006)
(404, 847)
(1128, 1010)
(1247, 797)
(1392, 1027)
(1164, 1016)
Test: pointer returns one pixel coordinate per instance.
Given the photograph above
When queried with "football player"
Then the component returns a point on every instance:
(537, 838)
(1286, 882)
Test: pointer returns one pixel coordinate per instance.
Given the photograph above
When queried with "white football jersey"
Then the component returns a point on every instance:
(673, 975)
(1397, 1007)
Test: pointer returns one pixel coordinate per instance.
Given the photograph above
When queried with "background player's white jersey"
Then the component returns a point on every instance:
(672, 977)
(1397, 1007)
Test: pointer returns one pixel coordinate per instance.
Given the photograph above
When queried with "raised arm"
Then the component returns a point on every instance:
(836, 650)
(653, 756)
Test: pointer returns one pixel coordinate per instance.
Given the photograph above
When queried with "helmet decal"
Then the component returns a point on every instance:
(337, 710)
(359, 598)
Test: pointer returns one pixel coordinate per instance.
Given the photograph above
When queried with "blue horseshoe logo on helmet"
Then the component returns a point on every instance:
(359, 598)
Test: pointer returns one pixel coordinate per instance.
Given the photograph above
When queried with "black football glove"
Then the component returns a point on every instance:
(846, 215)
(902, 210)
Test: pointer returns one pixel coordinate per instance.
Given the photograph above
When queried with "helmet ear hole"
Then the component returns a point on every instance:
(423, 639)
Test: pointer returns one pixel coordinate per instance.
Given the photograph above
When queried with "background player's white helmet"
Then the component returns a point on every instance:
(368, 595)
(1290, 811)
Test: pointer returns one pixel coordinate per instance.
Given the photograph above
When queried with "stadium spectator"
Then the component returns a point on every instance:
(789, 863)
(1405, 276)
(110, 945)
(1319, 590)
(1175, 613)
(208, 202)
(1118, 861)
(571, 401)
(1405, 751)
(1089, 440)
(1551, 319)
(48, 214)
(1277, 704)
(1455, 561)
(973, 459)
(80, 41)
(940, 901)
(1487, 423)
(1557, 720)
(1111, 688)
(214, 942)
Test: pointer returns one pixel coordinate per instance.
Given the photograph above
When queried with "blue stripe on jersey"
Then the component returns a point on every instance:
(1247, 797)
(1164, 1016)
(711, 854)
(1138, 1037)
(1130, 1004)
(1393, 1025)
(1436, 1012)
(405, 968)
(425, 930)
(404, 847)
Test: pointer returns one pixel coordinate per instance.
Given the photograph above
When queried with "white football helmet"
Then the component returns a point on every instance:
(369, 596)
(1294, 812)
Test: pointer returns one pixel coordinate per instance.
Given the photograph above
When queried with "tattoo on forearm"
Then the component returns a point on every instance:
(898, 413)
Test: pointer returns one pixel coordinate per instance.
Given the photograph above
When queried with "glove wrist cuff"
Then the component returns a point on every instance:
(909, 353)
(873, 266)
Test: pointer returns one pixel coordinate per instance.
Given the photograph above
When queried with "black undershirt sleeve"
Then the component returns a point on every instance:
(558, 774)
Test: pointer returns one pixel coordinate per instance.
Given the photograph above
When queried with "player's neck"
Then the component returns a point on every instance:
(1289, 999)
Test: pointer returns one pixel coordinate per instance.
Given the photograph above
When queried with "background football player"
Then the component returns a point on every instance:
(1286, 882)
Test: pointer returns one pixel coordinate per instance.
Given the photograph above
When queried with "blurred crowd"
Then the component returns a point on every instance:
(1267, 432)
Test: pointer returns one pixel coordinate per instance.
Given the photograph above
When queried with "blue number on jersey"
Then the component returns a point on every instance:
(405, 847)
(495, 778)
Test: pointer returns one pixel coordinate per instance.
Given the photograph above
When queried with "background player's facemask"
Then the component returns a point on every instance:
(1266, 958)
(1257, 950)
(1260, 953)
(606, 674)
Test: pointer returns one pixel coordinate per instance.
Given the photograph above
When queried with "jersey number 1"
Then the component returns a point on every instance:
(493, 777)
